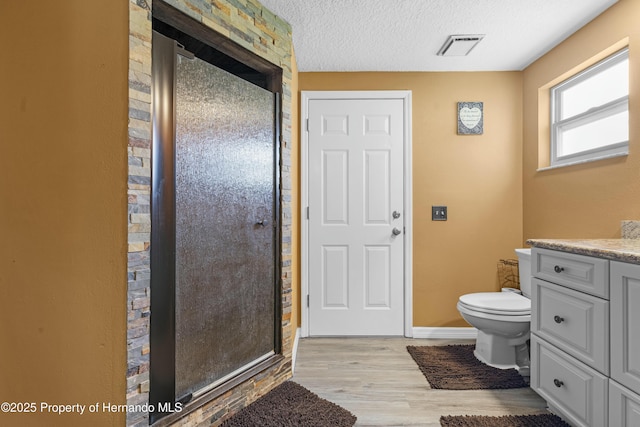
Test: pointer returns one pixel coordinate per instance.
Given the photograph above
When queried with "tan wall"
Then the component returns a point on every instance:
(590, 200)
(478, 177)
(63, 207)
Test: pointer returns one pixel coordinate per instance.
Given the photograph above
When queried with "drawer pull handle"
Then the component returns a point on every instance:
(558, 383)
(558, 319)
(558, 269)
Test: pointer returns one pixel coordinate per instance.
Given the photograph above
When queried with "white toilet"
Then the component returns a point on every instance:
(503, 321)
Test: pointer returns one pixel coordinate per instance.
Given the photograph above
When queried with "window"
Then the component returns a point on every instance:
(590, 113)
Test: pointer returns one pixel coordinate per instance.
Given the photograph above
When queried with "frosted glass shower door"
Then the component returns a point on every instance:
(224, 219)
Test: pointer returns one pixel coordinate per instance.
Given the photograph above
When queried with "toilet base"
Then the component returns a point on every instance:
(503, 353)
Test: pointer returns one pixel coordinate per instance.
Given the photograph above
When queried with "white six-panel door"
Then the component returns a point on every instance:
(356, 218)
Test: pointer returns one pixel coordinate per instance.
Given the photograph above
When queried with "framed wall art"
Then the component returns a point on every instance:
(470, 118)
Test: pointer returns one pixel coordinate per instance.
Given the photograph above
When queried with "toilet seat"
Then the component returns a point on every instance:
(497, 303)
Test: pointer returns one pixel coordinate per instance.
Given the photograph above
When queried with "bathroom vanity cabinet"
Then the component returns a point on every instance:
(585, 330)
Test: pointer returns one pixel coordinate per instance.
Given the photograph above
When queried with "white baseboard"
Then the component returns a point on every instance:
(294, 351)
(445, 333)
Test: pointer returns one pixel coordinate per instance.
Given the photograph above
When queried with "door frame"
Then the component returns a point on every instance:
(405, 96)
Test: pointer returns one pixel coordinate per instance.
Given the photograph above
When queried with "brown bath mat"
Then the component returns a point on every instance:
(542, 420)
(454, 367)
(291, 405)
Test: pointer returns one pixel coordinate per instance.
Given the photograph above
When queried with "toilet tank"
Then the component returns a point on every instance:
(524, 270)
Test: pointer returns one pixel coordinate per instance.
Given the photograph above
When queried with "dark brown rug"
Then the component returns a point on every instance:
(291, 405)
(454, 367)
(542, 420)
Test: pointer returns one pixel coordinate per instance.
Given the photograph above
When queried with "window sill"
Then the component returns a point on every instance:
(580, 162)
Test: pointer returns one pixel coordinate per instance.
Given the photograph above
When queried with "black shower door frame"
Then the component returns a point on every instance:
(163, 233)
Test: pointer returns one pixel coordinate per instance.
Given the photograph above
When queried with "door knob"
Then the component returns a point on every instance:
(395, 214)
(262, 222)
(395, 231)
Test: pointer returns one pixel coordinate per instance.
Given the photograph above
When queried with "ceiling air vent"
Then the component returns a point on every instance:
(460, 45)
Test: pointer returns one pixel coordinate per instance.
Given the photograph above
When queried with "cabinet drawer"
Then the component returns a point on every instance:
(625, 324)
(624, 406)
(573, 321)
(580, 272)
(578, 392)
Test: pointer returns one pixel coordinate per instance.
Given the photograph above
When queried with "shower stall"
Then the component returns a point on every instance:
(215, 295)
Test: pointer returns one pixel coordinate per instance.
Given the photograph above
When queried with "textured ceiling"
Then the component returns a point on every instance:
(405, 35)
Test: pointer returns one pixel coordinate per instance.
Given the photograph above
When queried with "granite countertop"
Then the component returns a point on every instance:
(626, 250)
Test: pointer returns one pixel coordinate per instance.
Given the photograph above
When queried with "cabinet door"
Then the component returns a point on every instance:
(625, 324)
(624, 406)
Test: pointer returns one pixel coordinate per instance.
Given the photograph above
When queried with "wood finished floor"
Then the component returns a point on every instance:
(378, 381)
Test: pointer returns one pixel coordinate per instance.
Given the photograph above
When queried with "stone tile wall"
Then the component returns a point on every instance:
(249, 24)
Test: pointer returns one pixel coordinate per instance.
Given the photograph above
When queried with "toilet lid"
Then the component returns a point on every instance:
(505, 303)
